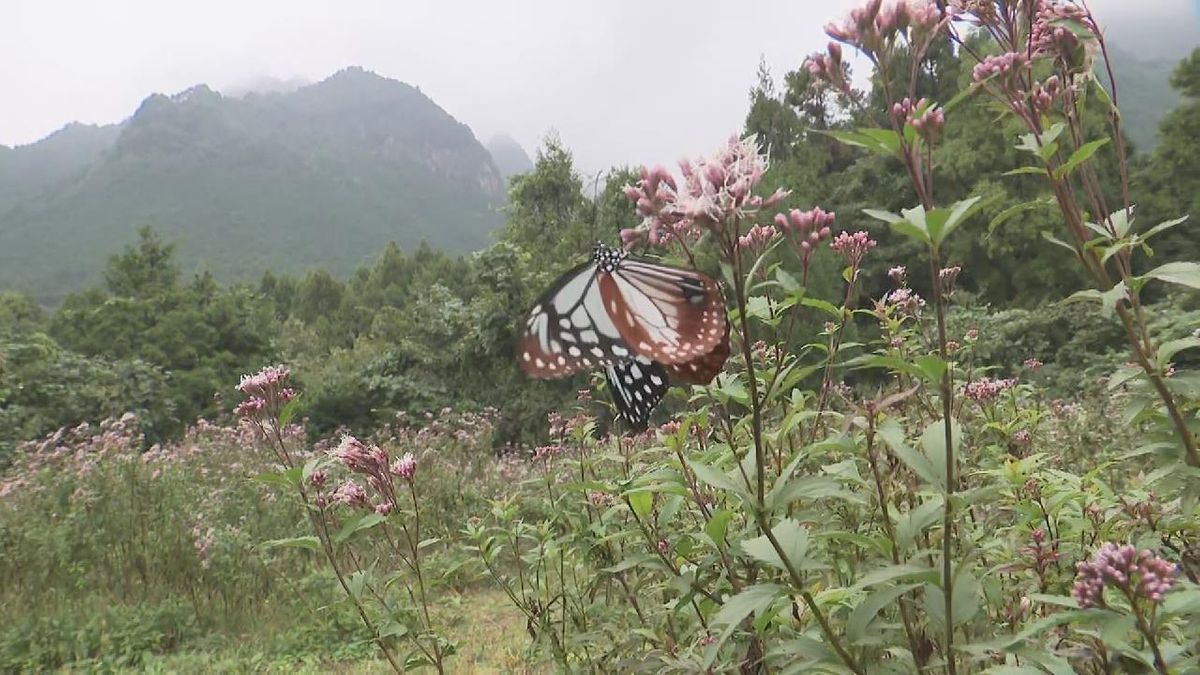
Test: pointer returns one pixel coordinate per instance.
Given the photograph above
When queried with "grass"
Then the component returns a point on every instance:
(490, 632)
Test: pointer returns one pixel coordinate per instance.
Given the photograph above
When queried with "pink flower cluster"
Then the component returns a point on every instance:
(853, 247)
(1137, 574)
(828, 67)
(266, 391)
(904, 301)
(1051, 34)
(714, 191)
(999, 64)
(758, 237)
(373, 462)
(986, 389)
(871, 26)
(927, 119)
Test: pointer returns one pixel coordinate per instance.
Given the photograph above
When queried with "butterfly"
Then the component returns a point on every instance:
(643, 322)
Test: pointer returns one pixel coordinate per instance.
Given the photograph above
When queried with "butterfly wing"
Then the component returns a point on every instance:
(569, 330)
(664, 313)
(702, 369)
(637, 386)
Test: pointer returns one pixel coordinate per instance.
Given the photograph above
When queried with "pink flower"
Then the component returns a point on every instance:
(758, 237)
(251, 408)
(597, 498)
(985, 389)
(898, 274)
(853, 247)
(999, 64)
(405, 467)
(1033, 364)
(1022, 437)
(1139, 575)
(265, 383)
(351, 494)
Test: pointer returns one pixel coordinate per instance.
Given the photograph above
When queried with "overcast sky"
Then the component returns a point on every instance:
(622, 81)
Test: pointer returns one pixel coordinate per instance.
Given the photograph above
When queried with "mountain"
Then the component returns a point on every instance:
(26, 171)
(323, 176)
(1144, 92)
(508, 155)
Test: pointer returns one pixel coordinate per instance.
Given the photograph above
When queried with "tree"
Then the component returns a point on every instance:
(144, 270)
(1169, 183)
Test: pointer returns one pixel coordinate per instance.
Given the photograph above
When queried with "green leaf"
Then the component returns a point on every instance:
(1168, 350)
(1011, 211)
(942, 222)
(1041, 171)
(868, 609)
(641, 502)
(1081, 155)
(1057, 242)
(289, 411)
(364, 522)
(717, 526)
(1110, 298)
(895, 573)
(1162, 227)
(933, 444)
(823, 305)
(750, 600)
(932, 366)
(885, 216)
(715, 478)
(793, 539)
(1179, 273)
(883, 141)
(911, 524)
(309, 542)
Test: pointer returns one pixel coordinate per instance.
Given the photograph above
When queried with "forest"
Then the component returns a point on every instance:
(958, 431)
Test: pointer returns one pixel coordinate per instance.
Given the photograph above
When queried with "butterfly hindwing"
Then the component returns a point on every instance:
(667, 314)
(703, 369)
(637, 387)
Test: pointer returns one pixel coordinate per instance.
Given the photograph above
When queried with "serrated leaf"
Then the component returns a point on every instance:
(885, 216)
(866, 610)
(1057, 242)
(1011, 211)
(911, 524)
(717, 526)
(895, 573)
(1168, 350)
(1166, 225)
(1179, 273)
(359, 524)
(641, 502)
(792, 538)
(1110, 298)
(1082, 154)
(750, 600)
(1026, 170)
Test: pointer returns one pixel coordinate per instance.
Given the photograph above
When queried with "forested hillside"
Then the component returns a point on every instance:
(323, 176)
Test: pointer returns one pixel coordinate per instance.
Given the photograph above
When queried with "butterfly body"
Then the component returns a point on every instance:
(640, 320)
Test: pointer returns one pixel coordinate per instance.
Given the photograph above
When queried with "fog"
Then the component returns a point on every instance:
(621, 82)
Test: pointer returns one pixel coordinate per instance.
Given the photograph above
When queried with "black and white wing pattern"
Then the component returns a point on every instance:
(637, 386)
(569, 330)
(613, 308)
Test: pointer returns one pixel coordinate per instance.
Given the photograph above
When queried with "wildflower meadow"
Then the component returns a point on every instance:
(887, 476)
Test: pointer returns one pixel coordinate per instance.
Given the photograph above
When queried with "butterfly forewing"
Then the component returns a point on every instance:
(664, 313)
(569, 330)
(637, 386)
